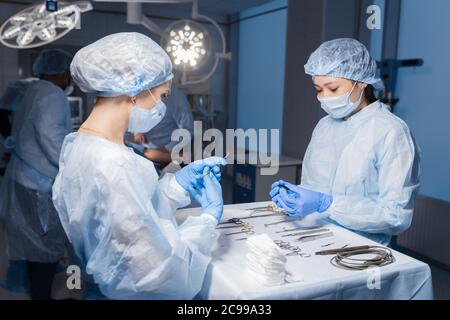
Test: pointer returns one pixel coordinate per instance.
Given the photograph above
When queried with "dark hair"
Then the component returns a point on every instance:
(369, 94)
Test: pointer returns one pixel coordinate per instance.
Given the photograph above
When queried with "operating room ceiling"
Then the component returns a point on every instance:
(211, 7)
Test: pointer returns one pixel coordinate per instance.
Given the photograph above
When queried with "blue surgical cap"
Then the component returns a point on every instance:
(124, 63)
(343, 58)
(52, 62)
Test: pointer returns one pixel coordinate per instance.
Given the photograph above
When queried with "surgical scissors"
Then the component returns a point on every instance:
(299, 253)
(244, 226)
(293, 250)
(237, 221)
(265, 215)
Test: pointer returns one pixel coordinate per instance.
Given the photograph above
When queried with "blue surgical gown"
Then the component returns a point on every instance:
(32, 228)
(119, 218)
(370, 165)
(14, 93)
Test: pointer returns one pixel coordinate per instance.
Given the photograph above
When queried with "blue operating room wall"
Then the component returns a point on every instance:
(376, 41)
(423, 92)
(262, 48)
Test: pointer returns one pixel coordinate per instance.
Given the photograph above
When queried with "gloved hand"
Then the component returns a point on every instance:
(298, 201)
(210, 196)
(192, 175)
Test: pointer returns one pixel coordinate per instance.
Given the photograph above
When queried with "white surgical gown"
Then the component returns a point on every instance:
(120, 220)
(370, 165)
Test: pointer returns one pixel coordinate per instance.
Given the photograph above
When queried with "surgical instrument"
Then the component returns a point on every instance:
(230, 227)
(242, 225)
(233, 233)
(315, 237)
(278, 222)
(265, 215)
(294, 250)
(299, 228)
(210, 169)
(340, 250)
(305, 233)
(327, 245)
(346, 260)
(272, 207)
(239, 220)
(242, 229)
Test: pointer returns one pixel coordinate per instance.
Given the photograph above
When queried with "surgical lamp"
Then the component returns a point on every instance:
(187, 42)
(36, 26)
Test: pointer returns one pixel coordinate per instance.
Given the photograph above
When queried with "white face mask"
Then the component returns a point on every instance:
(142, 120)
(341, 106)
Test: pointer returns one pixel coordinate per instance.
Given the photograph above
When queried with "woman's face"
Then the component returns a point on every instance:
(145, 99)
(327, 87)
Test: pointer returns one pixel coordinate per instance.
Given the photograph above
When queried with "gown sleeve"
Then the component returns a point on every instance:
(398, 179)
(141, 254)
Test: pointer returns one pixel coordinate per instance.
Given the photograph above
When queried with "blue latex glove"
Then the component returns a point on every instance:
(192, 175)
(298, 201)
(210, 196)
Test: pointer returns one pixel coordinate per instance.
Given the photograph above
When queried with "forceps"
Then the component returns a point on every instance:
(294, 250)
(239, 220)
(315, 237)
(305, 233)
(299, 228)
(249, 232)
(278, 222)
(271, 207)
(245, 226)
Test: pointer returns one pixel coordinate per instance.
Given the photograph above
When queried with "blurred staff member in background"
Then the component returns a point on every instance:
(8, 104)
(33, 232)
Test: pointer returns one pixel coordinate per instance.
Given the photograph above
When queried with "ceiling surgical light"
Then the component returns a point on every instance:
(35, 26)
(188, 44)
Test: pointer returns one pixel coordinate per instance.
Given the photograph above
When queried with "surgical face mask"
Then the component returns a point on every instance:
(142, 120)
(341, 106)
(68, 90)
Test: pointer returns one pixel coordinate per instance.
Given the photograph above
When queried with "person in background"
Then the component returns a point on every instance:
(158, 140)
(361, 168)
(8, 104)
(33, 233)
